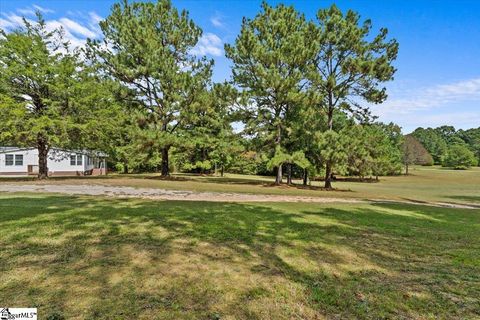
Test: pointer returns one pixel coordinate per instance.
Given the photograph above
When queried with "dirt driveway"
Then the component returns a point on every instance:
(163, 194)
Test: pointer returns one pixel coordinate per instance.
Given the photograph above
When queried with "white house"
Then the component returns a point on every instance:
(16, 161)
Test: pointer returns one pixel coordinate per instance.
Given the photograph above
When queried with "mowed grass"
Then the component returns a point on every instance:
(429, 184)
(95, 258)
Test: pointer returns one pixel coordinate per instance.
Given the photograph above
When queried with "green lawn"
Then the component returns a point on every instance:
(431, 184)
(95, 258)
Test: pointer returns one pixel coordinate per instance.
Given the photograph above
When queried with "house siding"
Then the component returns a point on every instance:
(58, 163)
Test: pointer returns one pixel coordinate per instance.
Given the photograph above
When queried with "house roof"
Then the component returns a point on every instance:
(84, 152)
(9, 149)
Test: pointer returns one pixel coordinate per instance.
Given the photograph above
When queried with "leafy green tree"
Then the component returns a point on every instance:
(472, 139)
(349, 65)
(48, 97)
(447, 133)
(147, 48)
(459, 157)
(269, 59)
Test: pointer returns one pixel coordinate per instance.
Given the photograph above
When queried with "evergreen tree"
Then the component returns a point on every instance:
(269, 58)
(208, 138)
(350, 64)
(48, 97)
(147, 48)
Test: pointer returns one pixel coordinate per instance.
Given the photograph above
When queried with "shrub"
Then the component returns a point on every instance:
(459, 157)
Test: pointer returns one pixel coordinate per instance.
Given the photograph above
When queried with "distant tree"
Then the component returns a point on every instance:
(459, 157)
(334, 148)
(433, 141)
(414, 153)
(146, 47)
(385, 141)
(48, 97)
(472, 138)
(447, 133)
(269, 58)
(375, 149)
(350, 64)
(208, 138)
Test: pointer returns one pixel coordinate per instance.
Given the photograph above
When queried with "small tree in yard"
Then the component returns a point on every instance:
(147, 48)
(48, 98)
(349, 65)
(459, 157)
(414, 153)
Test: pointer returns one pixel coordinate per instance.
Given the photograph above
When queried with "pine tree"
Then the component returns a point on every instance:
(349, 65)
(147, 48)
(269, 59)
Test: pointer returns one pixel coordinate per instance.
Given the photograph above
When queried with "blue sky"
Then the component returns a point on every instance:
(438, 77)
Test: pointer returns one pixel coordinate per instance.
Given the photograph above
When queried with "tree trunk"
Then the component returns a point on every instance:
(202, 170)
(406, 169)
(328, 176)
(221, 170)
(165, 169)
(42, 157)
(328, 167)
(278, 180)
(305, 177)
(289, 174)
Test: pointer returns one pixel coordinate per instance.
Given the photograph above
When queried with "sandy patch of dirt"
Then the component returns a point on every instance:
(164, 194)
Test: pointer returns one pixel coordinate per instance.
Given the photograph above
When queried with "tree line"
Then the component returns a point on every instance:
(296, 105)
(448, 147)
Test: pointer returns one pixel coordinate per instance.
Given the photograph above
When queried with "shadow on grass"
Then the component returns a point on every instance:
(466, 198)
(118, 258)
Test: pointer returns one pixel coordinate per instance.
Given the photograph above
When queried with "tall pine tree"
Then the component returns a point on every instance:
(147, 48)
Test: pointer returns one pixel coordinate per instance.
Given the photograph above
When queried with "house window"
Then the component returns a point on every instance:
(19, 159)
(9, 159)
(76, 160)
(79, 160)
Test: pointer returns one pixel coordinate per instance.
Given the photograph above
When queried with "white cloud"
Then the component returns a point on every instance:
(454, 103)
(77, 28)
(431, 97)
(95, 17)
(76, 31)
(43, 10)
(210, 44)
(216, 20)
(26, 12)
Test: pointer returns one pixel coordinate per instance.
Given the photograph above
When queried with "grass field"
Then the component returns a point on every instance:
(86, 258)
(114, 258)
